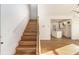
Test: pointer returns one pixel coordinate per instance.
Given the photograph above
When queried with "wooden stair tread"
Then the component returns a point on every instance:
(22, 53)
(33, 21)
(25, 51)
(32, 26)
(31, 30)
(27, 42)
(23, 47)
(30, 33)
(29, 38)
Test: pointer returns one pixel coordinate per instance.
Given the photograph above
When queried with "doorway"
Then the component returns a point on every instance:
(61, 29)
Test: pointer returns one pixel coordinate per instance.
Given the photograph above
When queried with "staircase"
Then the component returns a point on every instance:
(27, 45)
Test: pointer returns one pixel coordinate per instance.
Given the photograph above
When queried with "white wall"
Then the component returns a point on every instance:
(0, 27)
(33, 11)
(75, 27)
(44, 23)
(14, 18)
(58, 9)
(0, 20)
(46, 12)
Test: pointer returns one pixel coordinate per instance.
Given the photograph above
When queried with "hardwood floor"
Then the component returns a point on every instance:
(51, 45)
(27, 45)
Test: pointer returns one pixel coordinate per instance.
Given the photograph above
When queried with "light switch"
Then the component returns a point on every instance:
(43, 25)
